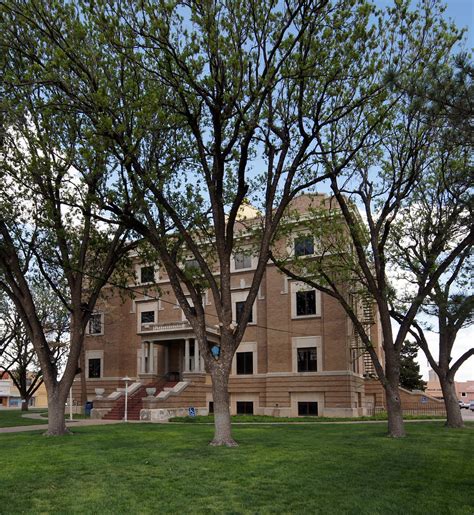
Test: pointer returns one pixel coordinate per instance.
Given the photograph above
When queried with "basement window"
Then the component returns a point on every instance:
(244, 408)
(307, 409)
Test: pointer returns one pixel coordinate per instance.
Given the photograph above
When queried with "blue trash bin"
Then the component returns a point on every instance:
(88, 408)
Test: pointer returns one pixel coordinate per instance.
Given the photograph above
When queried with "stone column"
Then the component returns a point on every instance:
(186, 355)
(143, 370)
(197, 358)
(151, 358)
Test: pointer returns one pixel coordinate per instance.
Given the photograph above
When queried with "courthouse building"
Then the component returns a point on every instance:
(299, 355)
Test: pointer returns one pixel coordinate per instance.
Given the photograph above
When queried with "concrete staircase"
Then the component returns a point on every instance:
(135, 403)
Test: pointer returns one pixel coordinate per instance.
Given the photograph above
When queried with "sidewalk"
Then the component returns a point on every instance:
(44, 427)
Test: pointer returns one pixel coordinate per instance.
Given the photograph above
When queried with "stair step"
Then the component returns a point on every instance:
(135, 401)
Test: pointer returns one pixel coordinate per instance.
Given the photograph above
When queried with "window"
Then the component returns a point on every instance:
(211, 407)
(239, 309)
(95, 323)
(305, 303)
(147, 274)
(304, 246)
(242, 261)
(307, 409)
(244, 408)
(463, 394)
(244, 362)
(94, 368)
(191, 265)
(148, 317)
(307, 359)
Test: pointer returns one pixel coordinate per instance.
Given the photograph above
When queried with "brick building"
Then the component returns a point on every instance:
(299, 355)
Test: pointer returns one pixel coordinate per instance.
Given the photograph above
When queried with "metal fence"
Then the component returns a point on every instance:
(413, 409)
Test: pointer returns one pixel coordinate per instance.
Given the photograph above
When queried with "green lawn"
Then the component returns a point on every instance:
(12, 418)
(146, 468)
(249, 419)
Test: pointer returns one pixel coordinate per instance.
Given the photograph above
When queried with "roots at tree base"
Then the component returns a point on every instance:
(67, 432)
(223, 443)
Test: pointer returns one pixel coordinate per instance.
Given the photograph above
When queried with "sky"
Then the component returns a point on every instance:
(460, 11)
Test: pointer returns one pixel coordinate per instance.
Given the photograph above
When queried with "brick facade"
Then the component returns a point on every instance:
(147, 339)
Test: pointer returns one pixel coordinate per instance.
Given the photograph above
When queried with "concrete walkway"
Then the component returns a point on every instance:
(100, 422)
(69, 423)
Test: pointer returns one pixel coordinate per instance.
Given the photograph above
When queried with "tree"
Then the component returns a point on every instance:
(356, 261)
(447, 101)
(19, 357)
(213, 92)
(451, 302)
(410, 376)
(47, 227)
(202, 106)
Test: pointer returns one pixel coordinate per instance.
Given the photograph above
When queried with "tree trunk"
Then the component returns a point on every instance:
(220, 392)
(82, 366)
(56, 411)
(453, 412)
(25, 404)
(396, 426)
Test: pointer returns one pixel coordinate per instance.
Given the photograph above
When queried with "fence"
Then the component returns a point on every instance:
(413, 409)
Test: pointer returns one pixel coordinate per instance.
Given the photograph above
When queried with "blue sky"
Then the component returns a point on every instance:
(460, 11)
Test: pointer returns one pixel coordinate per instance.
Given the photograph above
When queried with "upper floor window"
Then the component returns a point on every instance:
(244, 362)
(305, 303)
(147, 274)
(304, 246)
(147, 317)
(94, 368)
(95, 325)
(191, 265)
(307, 354)
(307, 359)
(242, 261)
(239, 309)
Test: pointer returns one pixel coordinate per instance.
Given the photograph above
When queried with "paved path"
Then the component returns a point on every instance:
(100, 422)
(44, 427)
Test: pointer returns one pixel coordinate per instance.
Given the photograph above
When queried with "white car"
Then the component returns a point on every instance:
(464, 405)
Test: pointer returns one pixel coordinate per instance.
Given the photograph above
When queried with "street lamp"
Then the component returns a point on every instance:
(126, 379)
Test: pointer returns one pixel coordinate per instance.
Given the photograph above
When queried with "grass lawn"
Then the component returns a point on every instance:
(146, 468)
(249, 419)
(12, 418)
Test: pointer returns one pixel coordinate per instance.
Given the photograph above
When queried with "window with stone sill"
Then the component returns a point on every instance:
(95, 325)
(242, 261)
(239, 309)
(307, 359)
(147, 274)
(304, 246)
(305, 303)
(244, 363)
(94, 368)
(147, 317)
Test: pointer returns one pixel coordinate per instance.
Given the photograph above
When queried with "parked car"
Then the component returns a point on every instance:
(471, 405)
(464, 405)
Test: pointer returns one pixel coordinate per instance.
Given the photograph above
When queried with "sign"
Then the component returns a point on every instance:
(192, 412)
(424, 399)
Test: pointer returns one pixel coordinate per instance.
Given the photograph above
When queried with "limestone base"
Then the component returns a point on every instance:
(160, 415)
